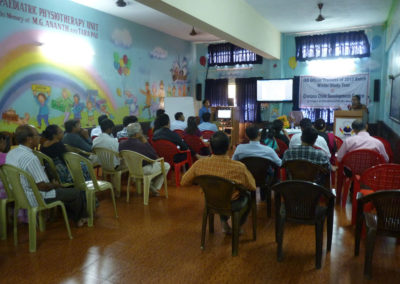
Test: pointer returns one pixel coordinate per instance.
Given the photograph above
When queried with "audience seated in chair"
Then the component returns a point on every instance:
(279, 132)
(22, 157)
(164, 133)
(307, 152)
(320, 142)
(362, 140)
(206, 124)
(76, 136)
(126, 121)
(220, 165)
(320, 126)
(179, 122)
(192, 129)
(97, 130)
(106, 140)
(154, 124)
(254, 148)
(267, 137)
(138, 143)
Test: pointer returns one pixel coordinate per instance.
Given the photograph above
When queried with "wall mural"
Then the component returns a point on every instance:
(39, 86)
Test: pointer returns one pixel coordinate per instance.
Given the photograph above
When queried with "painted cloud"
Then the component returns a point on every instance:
(159, 53)
(121, 38)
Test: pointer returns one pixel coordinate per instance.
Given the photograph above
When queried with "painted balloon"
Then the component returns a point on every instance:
(202, 60)
(116, 57)
(128, 64)
(292, 62)
(119, 92)
(121, 62)
(125, 58)
(120, 71)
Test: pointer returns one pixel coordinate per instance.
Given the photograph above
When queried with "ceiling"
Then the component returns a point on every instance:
(288, 16)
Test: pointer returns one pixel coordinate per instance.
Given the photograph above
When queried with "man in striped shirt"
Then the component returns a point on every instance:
(23, 157)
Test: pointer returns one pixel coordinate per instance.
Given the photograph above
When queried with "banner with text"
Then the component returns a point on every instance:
(332, 92)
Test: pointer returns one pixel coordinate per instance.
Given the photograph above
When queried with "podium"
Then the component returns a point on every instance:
(343, 120)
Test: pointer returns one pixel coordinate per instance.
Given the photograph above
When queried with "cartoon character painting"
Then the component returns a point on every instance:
(42, 100)
(161, 94)
(11, 116)
(63, 103)
(90, 112)
(147, 93)
(77, 107)
(131, 101)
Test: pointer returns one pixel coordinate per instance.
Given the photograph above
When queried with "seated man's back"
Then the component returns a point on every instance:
(77, 137)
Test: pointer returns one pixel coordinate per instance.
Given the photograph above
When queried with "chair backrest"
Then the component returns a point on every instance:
(217, 192)
(282, 146)
(76, 150)
(122, 139)
(388, 147)
(165, 149)
(74, 163)
(6, 184)
(305, 170)
(134, 162)
(14, 176)
(206, 134)
(181, 133)
(106, 158)
(301, 198)
(387, 205)
(339, 142)
(259, 168)
(360, 160)
(383, 176)
(49, 165)
(194, 142)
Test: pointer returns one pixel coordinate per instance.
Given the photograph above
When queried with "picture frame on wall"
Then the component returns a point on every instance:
(394, 113)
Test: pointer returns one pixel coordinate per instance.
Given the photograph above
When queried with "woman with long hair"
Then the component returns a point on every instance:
(192, 128)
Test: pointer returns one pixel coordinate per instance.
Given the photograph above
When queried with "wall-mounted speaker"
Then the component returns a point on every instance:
(377, 90)
(198, 92)
(231, 102)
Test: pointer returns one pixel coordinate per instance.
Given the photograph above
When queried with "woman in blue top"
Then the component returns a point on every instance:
(204, 109)
(268, 138)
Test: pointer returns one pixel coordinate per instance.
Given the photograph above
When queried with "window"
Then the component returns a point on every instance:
(229, 54)
(350, 44)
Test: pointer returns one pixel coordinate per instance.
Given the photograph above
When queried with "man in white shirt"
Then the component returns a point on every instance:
(255, 149)
(97, 130)
(320, 143)
(179, 123)
(106, 140)
(23, 157)
(206, 124)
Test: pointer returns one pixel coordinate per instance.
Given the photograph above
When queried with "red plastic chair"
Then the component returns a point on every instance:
(207, 134)
(181, 133)
(291, 135)
(339, 142)
(357, 161)
(122, 139)
(334, 161)
(195, 143)
(388, 147)
(150, 135)
(282, 147)
(168, 150)
(380, 177)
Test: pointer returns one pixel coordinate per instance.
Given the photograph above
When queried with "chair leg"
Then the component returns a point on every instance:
(165, 185)
(138, 182)
(279, 235)
(146, 190)
(269, 201)
(319, 231)
(329, 230)
(15, 225)
(113, 201)
(89, 197)
(42, 222)
(369, 251)
(211, 223)
(3, 216)
(178, 176)
(203, 229)
(64, 212)
(235, 233)
(116, 181)
(254, 214)
(346, 189)
(128, 188)
(32, 229)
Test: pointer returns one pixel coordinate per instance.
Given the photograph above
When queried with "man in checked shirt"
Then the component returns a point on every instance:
(219, 164)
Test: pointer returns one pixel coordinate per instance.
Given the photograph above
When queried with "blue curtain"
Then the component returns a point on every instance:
(216, 91)
(349, 44)
(229, 54)
(246, 97)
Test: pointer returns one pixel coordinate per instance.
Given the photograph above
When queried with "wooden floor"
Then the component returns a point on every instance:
(160, 243)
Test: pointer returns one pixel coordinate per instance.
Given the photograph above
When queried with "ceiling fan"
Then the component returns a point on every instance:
(320, 18)
(193, 32)
(121, 3)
